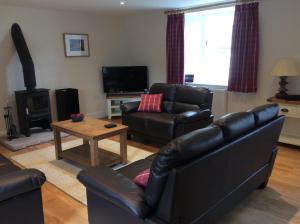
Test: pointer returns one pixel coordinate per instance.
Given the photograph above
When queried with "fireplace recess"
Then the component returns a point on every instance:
(33, 105)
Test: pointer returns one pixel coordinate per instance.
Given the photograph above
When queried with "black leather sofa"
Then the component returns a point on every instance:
(184, 109)
(196, 178)
(20, 194)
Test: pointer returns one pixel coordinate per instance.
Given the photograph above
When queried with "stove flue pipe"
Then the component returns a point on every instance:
(25, 57)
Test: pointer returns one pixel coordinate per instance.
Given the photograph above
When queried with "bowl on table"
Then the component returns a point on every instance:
(77, 117)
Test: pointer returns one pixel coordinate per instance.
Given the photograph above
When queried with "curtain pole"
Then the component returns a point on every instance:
(210, 6)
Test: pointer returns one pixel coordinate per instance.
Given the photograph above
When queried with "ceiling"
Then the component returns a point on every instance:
(109, 6)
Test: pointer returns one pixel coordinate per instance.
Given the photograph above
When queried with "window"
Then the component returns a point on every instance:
(207, 45)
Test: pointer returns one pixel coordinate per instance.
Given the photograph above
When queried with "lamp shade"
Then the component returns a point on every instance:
(285, 67)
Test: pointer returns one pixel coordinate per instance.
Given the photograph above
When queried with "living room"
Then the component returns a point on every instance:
(133, 33)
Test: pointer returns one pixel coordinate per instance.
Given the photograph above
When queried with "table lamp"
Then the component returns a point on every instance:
(283, 68)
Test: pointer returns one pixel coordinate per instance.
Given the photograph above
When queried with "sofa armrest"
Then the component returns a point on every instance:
(115, 188)
(191, 116)
(19, 182)
(130, 107)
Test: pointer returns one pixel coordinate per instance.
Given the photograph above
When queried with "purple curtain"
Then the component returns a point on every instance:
(244, 52)
(175, 49)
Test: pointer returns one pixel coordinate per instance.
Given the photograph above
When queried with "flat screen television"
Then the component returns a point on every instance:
(126, 79)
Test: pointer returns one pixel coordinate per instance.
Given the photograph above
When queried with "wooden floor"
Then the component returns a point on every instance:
(281, 199)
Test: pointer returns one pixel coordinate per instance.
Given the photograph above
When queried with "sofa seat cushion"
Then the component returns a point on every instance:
(133, 169)
(137, 121)
(152, 157)
(184, 107)
(152, 124)
(161, 125)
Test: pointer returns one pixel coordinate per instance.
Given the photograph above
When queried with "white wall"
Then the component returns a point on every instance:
(43, 30)
(144, 37)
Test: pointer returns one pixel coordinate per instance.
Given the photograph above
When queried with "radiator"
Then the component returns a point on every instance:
(220, 102)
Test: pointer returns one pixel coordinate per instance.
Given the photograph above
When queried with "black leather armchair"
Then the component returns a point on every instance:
(196, 178)
(20, 194)
(184, 109)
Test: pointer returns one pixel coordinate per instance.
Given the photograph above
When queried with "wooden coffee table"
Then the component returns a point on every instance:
(91, 131)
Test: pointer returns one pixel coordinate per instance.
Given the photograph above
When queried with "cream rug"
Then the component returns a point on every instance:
(62, 173)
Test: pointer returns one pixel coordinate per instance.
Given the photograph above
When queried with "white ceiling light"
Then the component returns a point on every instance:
(122, 3)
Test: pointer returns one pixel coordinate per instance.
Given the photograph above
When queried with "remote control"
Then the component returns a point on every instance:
(110, 125)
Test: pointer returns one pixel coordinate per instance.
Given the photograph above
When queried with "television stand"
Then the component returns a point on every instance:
(114, 102)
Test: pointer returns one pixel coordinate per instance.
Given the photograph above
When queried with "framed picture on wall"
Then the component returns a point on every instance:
(76, 45)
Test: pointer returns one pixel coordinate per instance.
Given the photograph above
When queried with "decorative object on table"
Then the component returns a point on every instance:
(189, 78)
(283, 68)
(77, 117)
(76, 45)
(110, 125)
(11, 130)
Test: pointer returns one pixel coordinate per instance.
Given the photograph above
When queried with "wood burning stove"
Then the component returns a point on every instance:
(33, 110)
(33, 105)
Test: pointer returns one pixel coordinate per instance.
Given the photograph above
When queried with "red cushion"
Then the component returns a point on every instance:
(142, 178)
(150, 103)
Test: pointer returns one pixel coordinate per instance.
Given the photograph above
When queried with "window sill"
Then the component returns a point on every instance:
(211, 87)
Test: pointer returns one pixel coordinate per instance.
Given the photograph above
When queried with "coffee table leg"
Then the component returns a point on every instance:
(94, 152)
(57, 142)
(123, 147)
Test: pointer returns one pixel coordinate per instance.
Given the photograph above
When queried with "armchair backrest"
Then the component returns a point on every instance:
(200, 96)
(181, 98)
(204, 166)
(168, 91)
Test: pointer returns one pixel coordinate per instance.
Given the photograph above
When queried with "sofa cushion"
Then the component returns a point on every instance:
(152, 124)
(137, 121)
(133, 169)
(150, 103)
(142, 178)
(192, 116)
(183, 107)
(264, 113)
(191, 95)
(168, 90)
(167, 106)
(161, 125)
(236, 124)
(179, 152)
